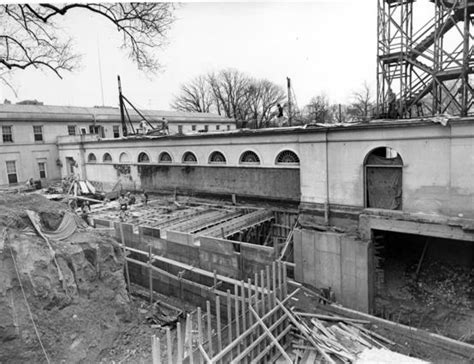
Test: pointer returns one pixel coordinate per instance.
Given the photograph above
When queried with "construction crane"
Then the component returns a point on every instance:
(127, 124)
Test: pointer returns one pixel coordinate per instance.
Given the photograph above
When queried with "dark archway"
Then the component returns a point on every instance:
(383, 168)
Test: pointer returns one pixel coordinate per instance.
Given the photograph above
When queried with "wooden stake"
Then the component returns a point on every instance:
(236, 302)
(169, 345)
(155, 350)
(279, 281)
(244, 321)
(219, 327)
(189, 337)
(262, 289)
(180, 343)
(199, 321)
(150, 274)
(229, 316)
(269, 287)
(209, 327)
(127, 274)
(285, 281)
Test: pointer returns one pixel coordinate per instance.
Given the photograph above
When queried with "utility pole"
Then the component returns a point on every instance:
(288, 82)
(122, 115)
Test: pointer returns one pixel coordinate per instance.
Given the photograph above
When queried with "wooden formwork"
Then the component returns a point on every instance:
(250, 324)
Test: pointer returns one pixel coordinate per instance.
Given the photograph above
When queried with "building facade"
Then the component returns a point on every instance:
(390, 184)
(29, 133)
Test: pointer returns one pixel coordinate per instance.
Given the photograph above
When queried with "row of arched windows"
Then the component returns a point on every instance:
(286, 157)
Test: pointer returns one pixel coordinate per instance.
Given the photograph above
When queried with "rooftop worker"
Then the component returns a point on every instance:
(143, 126)
(392, 104)
(165, 126)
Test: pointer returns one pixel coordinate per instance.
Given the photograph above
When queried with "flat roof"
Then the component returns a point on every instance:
(303, 129)
(15, 112)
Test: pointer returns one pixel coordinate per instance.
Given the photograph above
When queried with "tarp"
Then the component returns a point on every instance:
(384, 188)
(68, 226)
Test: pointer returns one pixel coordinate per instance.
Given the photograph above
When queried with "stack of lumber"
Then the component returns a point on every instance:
(333, 339)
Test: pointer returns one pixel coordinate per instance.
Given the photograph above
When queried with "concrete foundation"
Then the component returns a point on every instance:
(339, 261)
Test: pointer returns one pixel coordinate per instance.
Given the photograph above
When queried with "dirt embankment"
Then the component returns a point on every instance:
(77, 307)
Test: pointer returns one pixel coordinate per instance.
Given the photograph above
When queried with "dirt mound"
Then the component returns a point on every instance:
(12, 210)
(78, 305)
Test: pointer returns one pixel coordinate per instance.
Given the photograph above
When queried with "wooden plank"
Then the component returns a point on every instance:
(231, 345)
(270, 335)
(169, 346)
(155, 350)
(179, 359)
(305, 334)
(209, 326)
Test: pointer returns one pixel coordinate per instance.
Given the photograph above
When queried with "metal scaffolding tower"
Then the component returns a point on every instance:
(424, 70)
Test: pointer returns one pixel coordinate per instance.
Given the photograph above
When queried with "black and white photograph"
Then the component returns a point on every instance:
(252, 181)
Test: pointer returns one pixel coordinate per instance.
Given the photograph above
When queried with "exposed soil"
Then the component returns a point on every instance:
(79, 305)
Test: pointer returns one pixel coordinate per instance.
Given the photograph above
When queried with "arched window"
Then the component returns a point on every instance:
(249, 157)
(164, 157)
(217, 158)
(124, 158)
(91, 158)
(287, 157)
(383, 179)
(143, 158)
(189, 157)
(107, 158)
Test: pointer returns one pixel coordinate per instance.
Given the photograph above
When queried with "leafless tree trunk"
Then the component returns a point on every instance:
(29, 36)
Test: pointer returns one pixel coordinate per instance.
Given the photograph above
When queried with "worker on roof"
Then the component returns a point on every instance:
(392, 104)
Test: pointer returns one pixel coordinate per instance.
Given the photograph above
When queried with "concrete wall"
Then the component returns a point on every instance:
(438, 161)
(272, 183)
(203, 252)
(339, 261)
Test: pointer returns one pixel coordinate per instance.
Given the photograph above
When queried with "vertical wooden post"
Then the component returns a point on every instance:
(256, 291)
(262, 287)
(285, 281)
(279, 281)
(127, 274)
(209, 328)
(199, 320)
(244, 320)
(155, 350)
(180, 343)
(236, 302)
(229, 317)
(274, 283)
(269, 287)
(249, 283)
(150, 274)
(189, 337)
(219, 326)
(169, 346)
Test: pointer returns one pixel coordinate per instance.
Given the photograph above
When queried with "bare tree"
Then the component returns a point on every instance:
(318, 110)
(195, 96)
(233, 94)
(30, 36)
(230, 88)
(362, 103)
(264, 96)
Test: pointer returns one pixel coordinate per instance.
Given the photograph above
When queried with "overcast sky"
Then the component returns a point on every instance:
(323, 46)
